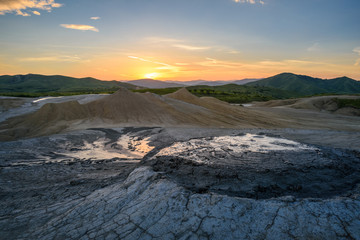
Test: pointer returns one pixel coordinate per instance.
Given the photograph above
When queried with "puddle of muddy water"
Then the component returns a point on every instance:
(126, 147)
(234, 145)
(43, 99)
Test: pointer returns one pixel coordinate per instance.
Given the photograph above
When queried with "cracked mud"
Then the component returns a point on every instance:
(174, 183)
(259, 166)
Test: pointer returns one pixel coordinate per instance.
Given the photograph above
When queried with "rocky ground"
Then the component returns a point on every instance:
(182, 183)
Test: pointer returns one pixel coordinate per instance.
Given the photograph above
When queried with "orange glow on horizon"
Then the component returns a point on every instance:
(165, 66)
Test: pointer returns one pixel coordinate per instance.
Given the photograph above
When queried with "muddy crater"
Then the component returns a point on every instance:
(259, 166)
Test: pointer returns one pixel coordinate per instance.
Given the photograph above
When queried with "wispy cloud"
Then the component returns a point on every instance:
(313, 48)
(287, 62)
(187, 45)
(95, 18)
(18, 7)
(250, 1)
(164, 66)
(163, 40)
(357, 50)
(211, 62)
(191, 48)
(21, 13)
(51, 59)
(80, 27)
(146, 60)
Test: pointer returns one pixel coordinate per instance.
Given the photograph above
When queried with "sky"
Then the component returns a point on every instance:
(180, 39)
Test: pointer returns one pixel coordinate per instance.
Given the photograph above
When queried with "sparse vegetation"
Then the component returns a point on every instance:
(231, 93)
(348, 103)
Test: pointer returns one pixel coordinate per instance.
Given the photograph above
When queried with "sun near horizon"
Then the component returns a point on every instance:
(153, 75)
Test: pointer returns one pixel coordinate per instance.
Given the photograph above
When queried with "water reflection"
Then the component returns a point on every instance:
(126, 147)
(231, 147)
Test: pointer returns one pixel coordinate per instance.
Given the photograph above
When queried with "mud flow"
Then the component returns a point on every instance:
(259, 166)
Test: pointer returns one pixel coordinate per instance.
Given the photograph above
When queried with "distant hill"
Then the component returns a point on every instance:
(246, 80)
(151, 83)
(201, 82)
(234, 93)
(157, 84)
(305, 85)
(34, 83)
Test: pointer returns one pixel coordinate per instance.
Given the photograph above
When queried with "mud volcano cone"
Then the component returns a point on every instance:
(128, 107)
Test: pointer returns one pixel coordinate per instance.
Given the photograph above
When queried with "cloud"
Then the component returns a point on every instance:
(211, 62)
(357, 50)
(145, 60)
(21, 13)
(287, 62)
(164, 66)
(190, 48)
(95, 18)
(18, 6)
(250, 1)
(234, 52)
(80, 27)
(51, 59)
(187, 45)
(313, 48)
(36, 13)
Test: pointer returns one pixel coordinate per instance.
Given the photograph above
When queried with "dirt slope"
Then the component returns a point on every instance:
(233, 114)
(125, 108)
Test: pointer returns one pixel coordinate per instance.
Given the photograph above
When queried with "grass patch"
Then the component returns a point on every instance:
(355, 103)
(233, 93)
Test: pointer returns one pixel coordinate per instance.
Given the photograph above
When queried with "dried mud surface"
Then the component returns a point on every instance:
(181, 183)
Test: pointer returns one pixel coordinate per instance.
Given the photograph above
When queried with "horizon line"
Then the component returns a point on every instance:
(229, 80)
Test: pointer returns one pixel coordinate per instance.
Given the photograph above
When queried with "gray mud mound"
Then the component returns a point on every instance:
(179, 183)
(259, 166)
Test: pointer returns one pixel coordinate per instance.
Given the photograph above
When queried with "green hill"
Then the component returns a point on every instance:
(34, 84)
(231, 93)
(305, 85)
(234, 93)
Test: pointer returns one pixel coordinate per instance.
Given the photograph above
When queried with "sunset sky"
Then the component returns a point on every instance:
(180, 39)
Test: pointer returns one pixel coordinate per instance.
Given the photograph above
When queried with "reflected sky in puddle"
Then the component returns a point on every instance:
(126, 147)
(42, 99)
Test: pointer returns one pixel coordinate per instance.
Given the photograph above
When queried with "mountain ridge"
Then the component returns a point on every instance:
(152, 83)
(306, 85)
(37, 83)
(57, 84)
